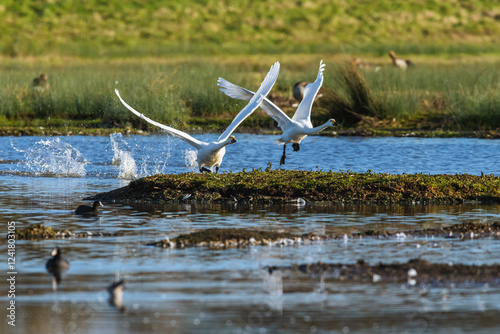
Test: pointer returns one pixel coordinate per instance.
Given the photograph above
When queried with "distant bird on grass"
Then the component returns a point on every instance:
(294, 129)
(41, 83)
(401, 63)
(211, 153)
(363, 65)
(298, 90)
(86, 210)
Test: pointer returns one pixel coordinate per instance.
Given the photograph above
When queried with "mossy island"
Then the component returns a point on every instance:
(301, 187)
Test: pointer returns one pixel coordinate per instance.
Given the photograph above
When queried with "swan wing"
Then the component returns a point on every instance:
(240, 93)
(303, 112)
(182, 135)
(255, 101)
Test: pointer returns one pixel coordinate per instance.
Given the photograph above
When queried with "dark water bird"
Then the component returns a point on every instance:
(86, 210)
(401, 63)
(294, 129)
(211, 153)
(56, 266)
(116, 294)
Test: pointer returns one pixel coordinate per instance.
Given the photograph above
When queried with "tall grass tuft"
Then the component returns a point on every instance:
(355, 102)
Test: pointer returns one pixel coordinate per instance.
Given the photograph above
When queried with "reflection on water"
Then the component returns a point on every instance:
(228, 291)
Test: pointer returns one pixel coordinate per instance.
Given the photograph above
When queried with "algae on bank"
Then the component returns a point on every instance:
(284, 186)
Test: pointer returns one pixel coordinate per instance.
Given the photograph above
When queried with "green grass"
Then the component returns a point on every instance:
(119, 28)
(166, 56)
(430, 96)
(184, 93)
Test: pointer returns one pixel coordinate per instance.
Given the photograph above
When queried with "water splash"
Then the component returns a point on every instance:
(159, 162)
(190, 158)
(51, 157)
(122, 157)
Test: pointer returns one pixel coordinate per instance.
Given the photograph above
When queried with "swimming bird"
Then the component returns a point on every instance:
(86, 210)
(116, 294)
(401, 63)
(57, 265)
(294, 129)
(211, 153)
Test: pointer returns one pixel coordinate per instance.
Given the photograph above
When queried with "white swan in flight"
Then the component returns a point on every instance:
(294, 129)
(211, 153)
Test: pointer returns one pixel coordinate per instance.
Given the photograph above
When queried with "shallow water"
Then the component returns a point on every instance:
(43, 179)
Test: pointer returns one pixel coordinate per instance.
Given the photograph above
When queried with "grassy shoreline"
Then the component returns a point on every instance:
(369, 132)
(439, 97)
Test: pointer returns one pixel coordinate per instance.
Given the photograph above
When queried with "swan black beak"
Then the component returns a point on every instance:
(334, 123)
(233, 140)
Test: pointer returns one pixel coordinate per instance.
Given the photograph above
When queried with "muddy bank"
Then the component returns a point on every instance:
(40, 231)
(412, 272)
(241, 237)
(255, 129)
(281, 186)
(220, 238)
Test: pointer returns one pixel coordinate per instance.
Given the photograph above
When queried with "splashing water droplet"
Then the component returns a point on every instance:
(55, 158)
(190, 158)
(122, 157)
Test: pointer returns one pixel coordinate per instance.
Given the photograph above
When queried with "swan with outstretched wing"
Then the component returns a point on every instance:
(294, 129)
(211, 153)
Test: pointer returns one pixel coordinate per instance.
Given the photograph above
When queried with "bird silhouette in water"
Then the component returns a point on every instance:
(56, 266)
(86, 210)
(115, 291)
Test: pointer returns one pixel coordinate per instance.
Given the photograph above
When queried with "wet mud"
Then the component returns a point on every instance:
(40, 231)
(234, 237)
(413, 272)
(240, 237)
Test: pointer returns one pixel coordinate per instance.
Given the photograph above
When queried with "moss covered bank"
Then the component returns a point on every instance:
(282, 186)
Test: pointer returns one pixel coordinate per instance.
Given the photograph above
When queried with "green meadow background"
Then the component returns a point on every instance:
(165, 58)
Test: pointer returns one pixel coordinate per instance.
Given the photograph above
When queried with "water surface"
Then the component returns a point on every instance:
(43, 179)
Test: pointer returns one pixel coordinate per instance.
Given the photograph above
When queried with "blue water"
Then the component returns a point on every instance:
(43, 179)
(166, 154)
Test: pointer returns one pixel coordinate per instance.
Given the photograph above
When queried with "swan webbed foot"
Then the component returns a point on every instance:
(296, 146)
(282, 160)
(205, 170)
(216, 169)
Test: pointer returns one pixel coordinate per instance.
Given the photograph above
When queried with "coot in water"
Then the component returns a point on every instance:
(88, 210)
(57, 265)
(116, 294)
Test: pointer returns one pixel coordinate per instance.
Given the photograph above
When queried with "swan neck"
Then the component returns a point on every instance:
(320, 127)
